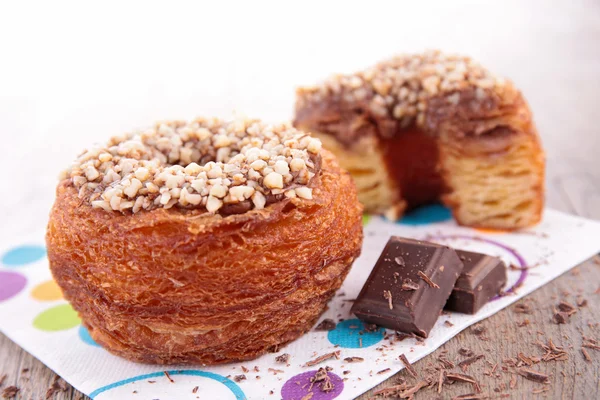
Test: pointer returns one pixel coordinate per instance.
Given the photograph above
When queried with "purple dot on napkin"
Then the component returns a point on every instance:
(297, 387)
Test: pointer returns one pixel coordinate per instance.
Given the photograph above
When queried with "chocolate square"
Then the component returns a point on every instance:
(482, 278)
(409, 286)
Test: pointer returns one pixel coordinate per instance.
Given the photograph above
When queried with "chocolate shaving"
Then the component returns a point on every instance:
(283, 359)
(448, 323)
(586, 355)
(10, 392)
(383, 371)
(532, 375)
(464, 364)
(441, 380)
(57, 386)
(354, 359)
(427, 280)
(478, 330)
(463, 351)
(392, 390)
(553, 352)
(581, 302)
(245, 369)
(322, 376)
(168, 377)
(445, 362)
(464, 378)
(408, 284)
(195, 389)
(561, 317)
(470, 396)
(324, 357)
(542, 390)
(408, 365)
(566, 307)
(326, 325)
(522, 308)
(523, 323)
(591, 346)
(239, 378)
(275, 371)
(388, 296)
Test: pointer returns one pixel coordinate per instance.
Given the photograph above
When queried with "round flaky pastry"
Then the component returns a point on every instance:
(203, 242)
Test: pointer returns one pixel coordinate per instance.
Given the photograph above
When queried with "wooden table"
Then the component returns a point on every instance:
(570, 188)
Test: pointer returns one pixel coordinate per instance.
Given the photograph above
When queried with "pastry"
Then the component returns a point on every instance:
(203, 242)
(431, 127)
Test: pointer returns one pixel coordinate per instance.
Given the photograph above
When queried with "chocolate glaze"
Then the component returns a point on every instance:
(415, 308)
(482, 278)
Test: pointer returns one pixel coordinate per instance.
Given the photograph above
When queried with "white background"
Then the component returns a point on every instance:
(76, 73)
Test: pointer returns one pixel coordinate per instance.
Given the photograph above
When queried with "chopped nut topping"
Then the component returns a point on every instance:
(206, 164)
(401, 87)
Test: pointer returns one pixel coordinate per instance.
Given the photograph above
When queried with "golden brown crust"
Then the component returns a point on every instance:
(182, 286)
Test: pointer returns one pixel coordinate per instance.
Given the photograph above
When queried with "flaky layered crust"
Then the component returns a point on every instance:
(185, 286)
(475, 149)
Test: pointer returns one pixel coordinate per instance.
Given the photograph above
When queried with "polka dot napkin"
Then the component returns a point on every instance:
(34, 314)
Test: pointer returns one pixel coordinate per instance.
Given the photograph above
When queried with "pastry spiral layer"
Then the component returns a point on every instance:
(183, 284)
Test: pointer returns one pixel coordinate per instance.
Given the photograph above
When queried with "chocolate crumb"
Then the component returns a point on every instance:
(10, 392)
(448, 323)
(388, 296)
(283, 359)
(371, 328)
(408, 365)
(245, 369)
(239, 378)
(354, 359)
(532, 375)
(383, 371)
(427, 280)
(24, 370)
(409, 284)
(326, 325)
(195, 389)
(168, 377)
(400, 261)
(324, 357)
(346, 372)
